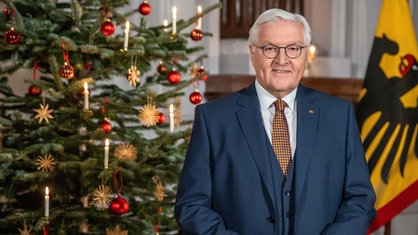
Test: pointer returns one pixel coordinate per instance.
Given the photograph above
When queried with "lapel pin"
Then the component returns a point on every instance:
(311, 111)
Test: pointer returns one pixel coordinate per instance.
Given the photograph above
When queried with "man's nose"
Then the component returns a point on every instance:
(281, 57)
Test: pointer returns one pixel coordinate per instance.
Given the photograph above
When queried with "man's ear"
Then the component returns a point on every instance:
(251, 49)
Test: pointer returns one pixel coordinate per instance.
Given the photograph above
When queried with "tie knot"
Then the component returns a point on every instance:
(280, 105)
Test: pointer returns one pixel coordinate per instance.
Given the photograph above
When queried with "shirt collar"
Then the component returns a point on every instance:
(266, 99)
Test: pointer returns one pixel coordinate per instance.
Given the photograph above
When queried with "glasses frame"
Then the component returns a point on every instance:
(278, 51)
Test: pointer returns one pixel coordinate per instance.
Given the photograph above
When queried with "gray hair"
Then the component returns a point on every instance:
(274, 15)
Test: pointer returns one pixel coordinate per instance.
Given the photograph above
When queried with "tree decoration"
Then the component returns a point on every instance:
(66, 71)
(44, 113)
(161, 67)
(106, 126)
(159, 196)
(85, 201)
(101, 197)
(193, 70)
(133, 75)
(196, 34)
(25, 231)
(174, 76)
(119, 205)
(84, 227)
(149, 114)
(116, 231)
(159, 188)
(126, 151)
(202, 72)
(12, 36)
(7, 12)
(161, 118)
(195, 97)
(107, 28)
(34, 90)
(45, 163)
(144, 8)
(177, 112)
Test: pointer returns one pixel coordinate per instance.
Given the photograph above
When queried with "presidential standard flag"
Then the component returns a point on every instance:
(387, 112)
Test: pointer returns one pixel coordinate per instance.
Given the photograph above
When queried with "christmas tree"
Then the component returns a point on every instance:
(79, 152)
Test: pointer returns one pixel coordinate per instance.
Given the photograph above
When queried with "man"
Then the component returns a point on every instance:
(232, 181)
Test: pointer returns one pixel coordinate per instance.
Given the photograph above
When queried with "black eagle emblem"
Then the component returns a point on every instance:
(394, 123)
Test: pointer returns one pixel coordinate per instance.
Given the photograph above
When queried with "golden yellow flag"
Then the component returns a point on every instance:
(388, 112)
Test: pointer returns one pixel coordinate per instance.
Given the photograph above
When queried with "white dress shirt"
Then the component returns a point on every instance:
(267, 111)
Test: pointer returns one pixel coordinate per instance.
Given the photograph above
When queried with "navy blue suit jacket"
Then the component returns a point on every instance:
(231, 180)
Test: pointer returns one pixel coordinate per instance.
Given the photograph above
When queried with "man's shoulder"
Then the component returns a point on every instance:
(321, 97)
(227, 101)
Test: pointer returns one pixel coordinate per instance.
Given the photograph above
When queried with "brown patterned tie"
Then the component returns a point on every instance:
(280, 137)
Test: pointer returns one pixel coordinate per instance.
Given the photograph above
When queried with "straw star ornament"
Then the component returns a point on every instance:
(44, 113)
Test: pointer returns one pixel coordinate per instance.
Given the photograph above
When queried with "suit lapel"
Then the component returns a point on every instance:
(250, 120)
(307, 122)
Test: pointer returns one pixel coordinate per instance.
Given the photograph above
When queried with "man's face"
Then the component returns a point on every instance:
(280, 75)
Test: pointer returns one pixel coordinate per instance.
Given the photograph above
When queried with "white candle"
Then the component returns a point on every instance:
(106, 154)
(86, 96)
(174, 11)
(46, 202)
(171, 118)
(125, 43)
(199, 19)
(311, 53)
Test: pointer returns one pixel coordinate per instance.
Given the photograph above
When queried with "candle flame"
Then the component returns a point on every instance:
(165, 23)
(127, 25)
(174, 10)
(199, 9)
(86, 86)
(312, 49)
(46, 191)
(107, 142)
(171, 108)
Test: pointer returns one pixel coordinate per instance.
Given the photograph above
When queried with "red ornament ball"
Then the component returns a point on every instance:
(106, 126)
(161, 118)
(174, 77)
(67, 71)
(144, 8)
(119, 206)
(195, 97)
(196, 34)
(34, 90)
(12, 36)
(201, 72)
(161, 68)
(107, 28)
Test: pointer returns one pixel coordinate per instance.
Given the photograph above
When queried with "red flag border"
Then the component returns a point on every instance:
(394, 207)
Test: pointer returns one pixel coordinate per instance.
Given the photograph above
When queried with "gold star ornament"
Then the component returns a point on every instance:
(126, 151)
(44, 113)
(25, 231)
(101, 197)
(149, 115)
(116, 231)
(45, 163)
(133, 75)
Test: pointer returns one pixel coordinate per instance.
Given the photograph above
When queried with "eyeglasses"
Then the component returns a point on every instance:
(292, 51)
